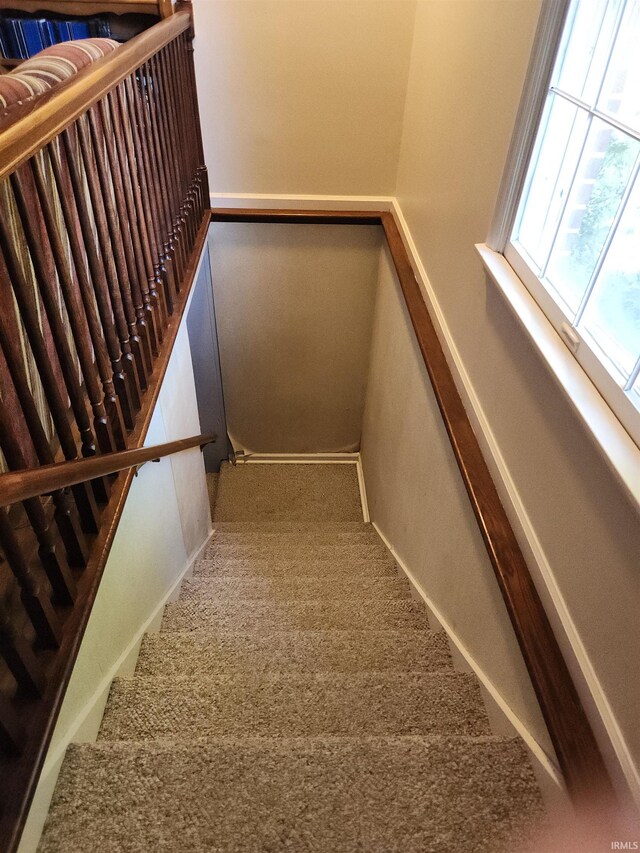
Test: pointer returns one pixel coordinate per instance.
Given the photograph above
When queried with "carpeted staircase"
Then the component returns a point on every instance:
(294, 700)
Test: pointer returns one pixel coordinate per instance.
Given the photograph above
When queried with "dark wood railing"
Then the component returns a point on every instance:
(32, 482)
(579, 757)
(103, 215)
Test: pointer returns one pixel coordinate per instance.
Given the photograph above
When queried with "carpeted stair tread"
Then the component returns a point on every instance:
(288, 493)
(304, 527)
(266, 616)
(386, 795)
(294, 705)
(279, 589)
(291, 546)
(198, 654)
(276, 566)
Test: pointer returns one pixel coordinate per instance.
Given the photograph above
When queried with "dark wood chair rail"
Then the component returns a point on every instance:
(18, 486)
(578, 754)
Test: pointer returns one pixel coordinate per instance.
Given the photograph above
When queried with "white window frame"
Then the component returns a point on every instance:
(577, 373)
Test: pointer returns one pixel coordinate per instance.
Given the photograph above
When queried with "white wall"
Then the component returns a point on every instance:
(467, 68)
(165, 522)
(302, 96)
(294, 305)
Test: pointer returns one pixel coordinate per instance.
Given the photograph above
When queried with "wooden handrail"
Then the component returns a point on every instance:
(17, 486)
(578, 753)
(30, 127)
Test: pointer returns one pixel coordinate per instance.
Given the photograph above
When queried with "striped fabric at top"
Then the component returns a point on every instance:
(48, 68)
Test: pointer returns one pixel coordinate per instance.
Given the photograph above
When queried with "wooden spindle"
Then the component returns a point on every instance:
(13, 385)
(18, 655)
(162, 101)
(122, 381)
(104, 342)
(140, 241)
(131, 104)
(155, 148)
(44, 268)
(34, 595)
(177, 147)
(12, 733)
(28, 311)
(75, 310)
(100, 182)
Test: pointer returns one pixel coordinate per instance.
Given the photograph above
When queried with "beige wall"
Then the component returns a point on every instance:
(467, 67)
(294, 305)
(417, 499)
(302, 96)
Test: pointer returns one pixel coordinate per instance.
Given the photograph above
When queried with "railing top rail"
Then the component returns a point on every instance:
(16, 486)
(29, 128)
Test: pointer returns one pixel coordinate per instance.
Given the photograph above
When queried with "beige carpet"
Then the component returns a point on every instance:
(294, 700)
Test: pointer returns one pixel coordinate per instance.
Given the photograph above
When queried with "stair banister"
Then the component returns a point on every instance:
(17, 486)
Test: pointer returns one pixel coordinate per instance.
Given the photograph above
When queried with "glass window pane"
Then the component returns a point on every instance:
(586, 44)
(600, 183)
(621, 91)
(553, 169)
(612, 315)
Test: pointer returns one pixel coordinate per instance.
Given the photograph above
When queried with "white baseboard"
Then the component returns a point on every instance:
(302, 202)
(363, 491)
(543, 760)
(89, 718)
(582, 669)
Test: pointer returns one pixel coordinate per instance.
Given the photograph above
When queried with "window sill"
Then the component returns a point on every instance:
(620, 451)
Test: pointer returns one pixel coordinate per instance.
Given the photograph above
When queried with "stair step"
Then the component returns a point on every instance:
(379, 795)
(198, 655)
(252, 589)
(278, 567)
(294, 705)
(305, 527)
(267, 616)
(288, 492)
(290, 547)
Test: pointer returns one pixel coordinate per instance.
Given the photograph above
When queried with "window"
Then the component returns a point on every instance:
(575, 239)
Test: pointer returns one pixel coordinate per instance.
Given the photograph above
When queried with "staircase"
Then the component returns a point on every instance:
(294, 700)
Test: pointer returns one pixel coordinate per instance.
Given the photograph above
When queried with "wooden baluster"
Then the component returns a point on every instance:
(129, 168)
(171, 157)
(14, 386)
(75, 310)
(110, 234)
(196, 135)
(85, 501)
(122, 380)
(190, 156)
(160, 164)
(18, 655)
(192, 161)
(128, 231)
(131, 105)
(168, 62)
(44, 268)
(12, 734)
(35, 599)
(154, 181)
(114, 383)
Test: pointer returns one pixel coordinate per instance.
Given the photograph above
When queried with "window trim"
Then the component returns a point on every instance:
(621, 453)
(540, 315)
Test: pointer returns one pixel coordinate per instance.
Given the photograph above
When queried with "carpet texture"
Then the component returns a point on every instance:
(294, 700)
